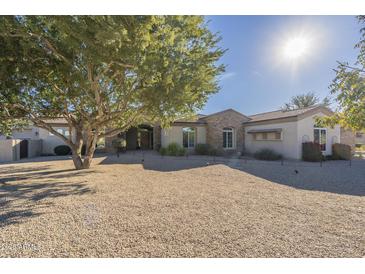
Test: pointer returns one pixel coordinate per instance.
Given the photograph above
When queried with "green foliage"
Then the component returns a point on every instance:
(203, 149)
(349, 89)
(267, 154)
(207, 149)
(311, 152)
(106, 72)
(360, 147)
(119, 143)
(173, 149)
(341, 152)
(163, 151)
(62, 150)
(8, 125)
(304, 100)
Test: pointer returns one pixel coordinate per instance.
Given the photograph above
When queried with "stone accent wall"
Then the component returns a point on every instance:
(347, 137)
(215, 125)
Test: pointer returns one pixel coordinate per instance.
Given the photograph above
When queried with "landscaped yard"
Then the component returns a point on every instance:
(172, 207)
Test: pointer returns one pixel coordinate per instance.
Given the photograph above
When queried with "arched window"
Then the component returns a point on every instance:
(228, 137)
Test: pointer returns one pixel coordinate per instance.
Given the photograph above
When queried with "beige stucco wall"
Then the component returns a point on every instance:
(9, 150)
(287, 146)
(174, 134)
(34, 148)
(360, 138)
(305, 128)
(293, 135)
(49, 142)
(28, 133)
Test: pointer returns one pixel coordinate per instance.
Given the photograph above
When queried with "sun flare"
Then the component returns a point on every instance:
(296, 47)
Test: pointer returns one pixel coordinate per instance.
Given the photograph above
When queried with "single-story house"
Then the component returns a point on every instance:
(228, 131)
(232, 132)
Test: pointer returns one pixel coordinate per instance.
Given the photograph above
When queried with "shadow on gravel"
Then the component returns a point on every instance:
(23, 195)
(339, 180)
(334, 177)
(156, 163)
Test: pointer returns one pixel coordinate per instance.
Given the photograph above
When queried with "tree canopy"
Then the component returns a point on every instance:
(349, 89)
(104, 74)
(304, 100)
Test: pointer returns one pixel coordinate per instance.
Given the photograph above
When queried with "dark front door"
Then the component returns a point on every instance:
(24, 149)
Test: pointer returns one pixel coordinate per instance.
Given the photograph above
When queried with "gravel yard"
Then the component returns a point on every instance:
(170, 207)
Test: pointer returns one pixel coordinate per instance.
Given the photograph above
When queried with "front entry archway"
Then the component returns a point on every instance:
(140, 137)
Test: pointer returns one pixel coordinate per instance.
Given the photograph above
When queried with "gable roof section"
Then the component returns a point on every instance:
(222, 112)
(297, 114)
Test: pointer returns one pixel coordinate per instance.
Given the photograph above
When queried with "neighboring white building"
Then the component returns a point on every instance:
(32, 141)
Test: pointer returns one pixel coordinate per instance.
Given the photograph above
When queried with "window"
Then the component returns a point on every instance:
(320, 137)
(227, 137)
(277, 135)
(266, 136)
(188, 137)
(62, 131)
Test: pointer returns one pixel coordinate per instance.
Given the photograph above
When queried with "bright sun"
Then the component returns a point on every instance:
(296, 47)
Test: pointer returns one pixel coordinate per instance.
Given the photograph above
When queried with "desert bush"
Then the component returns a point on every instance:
(341, 152)
(62, 150)
(360, 147)
(163, 151)
(203, 149)
(173, 149)
(215, 152)
(119, 143)
(311, 152)
(267, 154)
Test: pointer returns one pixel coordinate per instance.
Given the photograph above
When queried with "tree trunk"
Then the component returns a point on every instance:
(84, 162)
(77, 160)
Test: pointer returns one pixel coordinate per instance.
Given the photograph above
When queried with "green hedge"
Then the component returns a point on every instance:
(341, 152)
(62, 150)
(311, 152)
(173, 149)
(203, 149)
(267, 154)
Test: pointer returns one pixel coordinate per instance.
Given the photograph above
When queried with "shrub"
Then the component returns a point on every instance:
(267, 154)
(341, 152)
(360, 147)
(203, 149)
(214, 152)
(173, 149)
(62, 150)
(163, 151)
(311, 152)
(119, 143)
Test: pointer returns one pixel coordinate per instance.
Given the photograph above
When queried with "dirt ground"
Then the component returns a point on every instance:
(179, 207)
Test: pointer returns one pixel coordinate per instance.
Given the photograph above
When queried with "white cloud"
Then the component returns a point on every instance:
(227, 76)
(257, 73)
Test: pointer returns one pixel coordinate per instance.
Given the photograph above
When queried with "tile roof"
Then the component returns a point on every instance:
(278, 114)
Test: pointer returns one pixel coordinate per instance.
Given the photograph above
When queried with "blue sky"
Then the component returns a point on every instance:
(259, 78)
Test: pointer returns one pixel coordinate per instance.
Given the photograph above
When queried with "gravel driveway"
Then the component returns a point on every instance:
(172, 207)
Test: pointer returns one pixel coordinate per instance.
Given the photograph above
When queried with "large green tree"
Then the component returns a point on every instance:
(104, 74)
(304, 100)
(349, 90)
